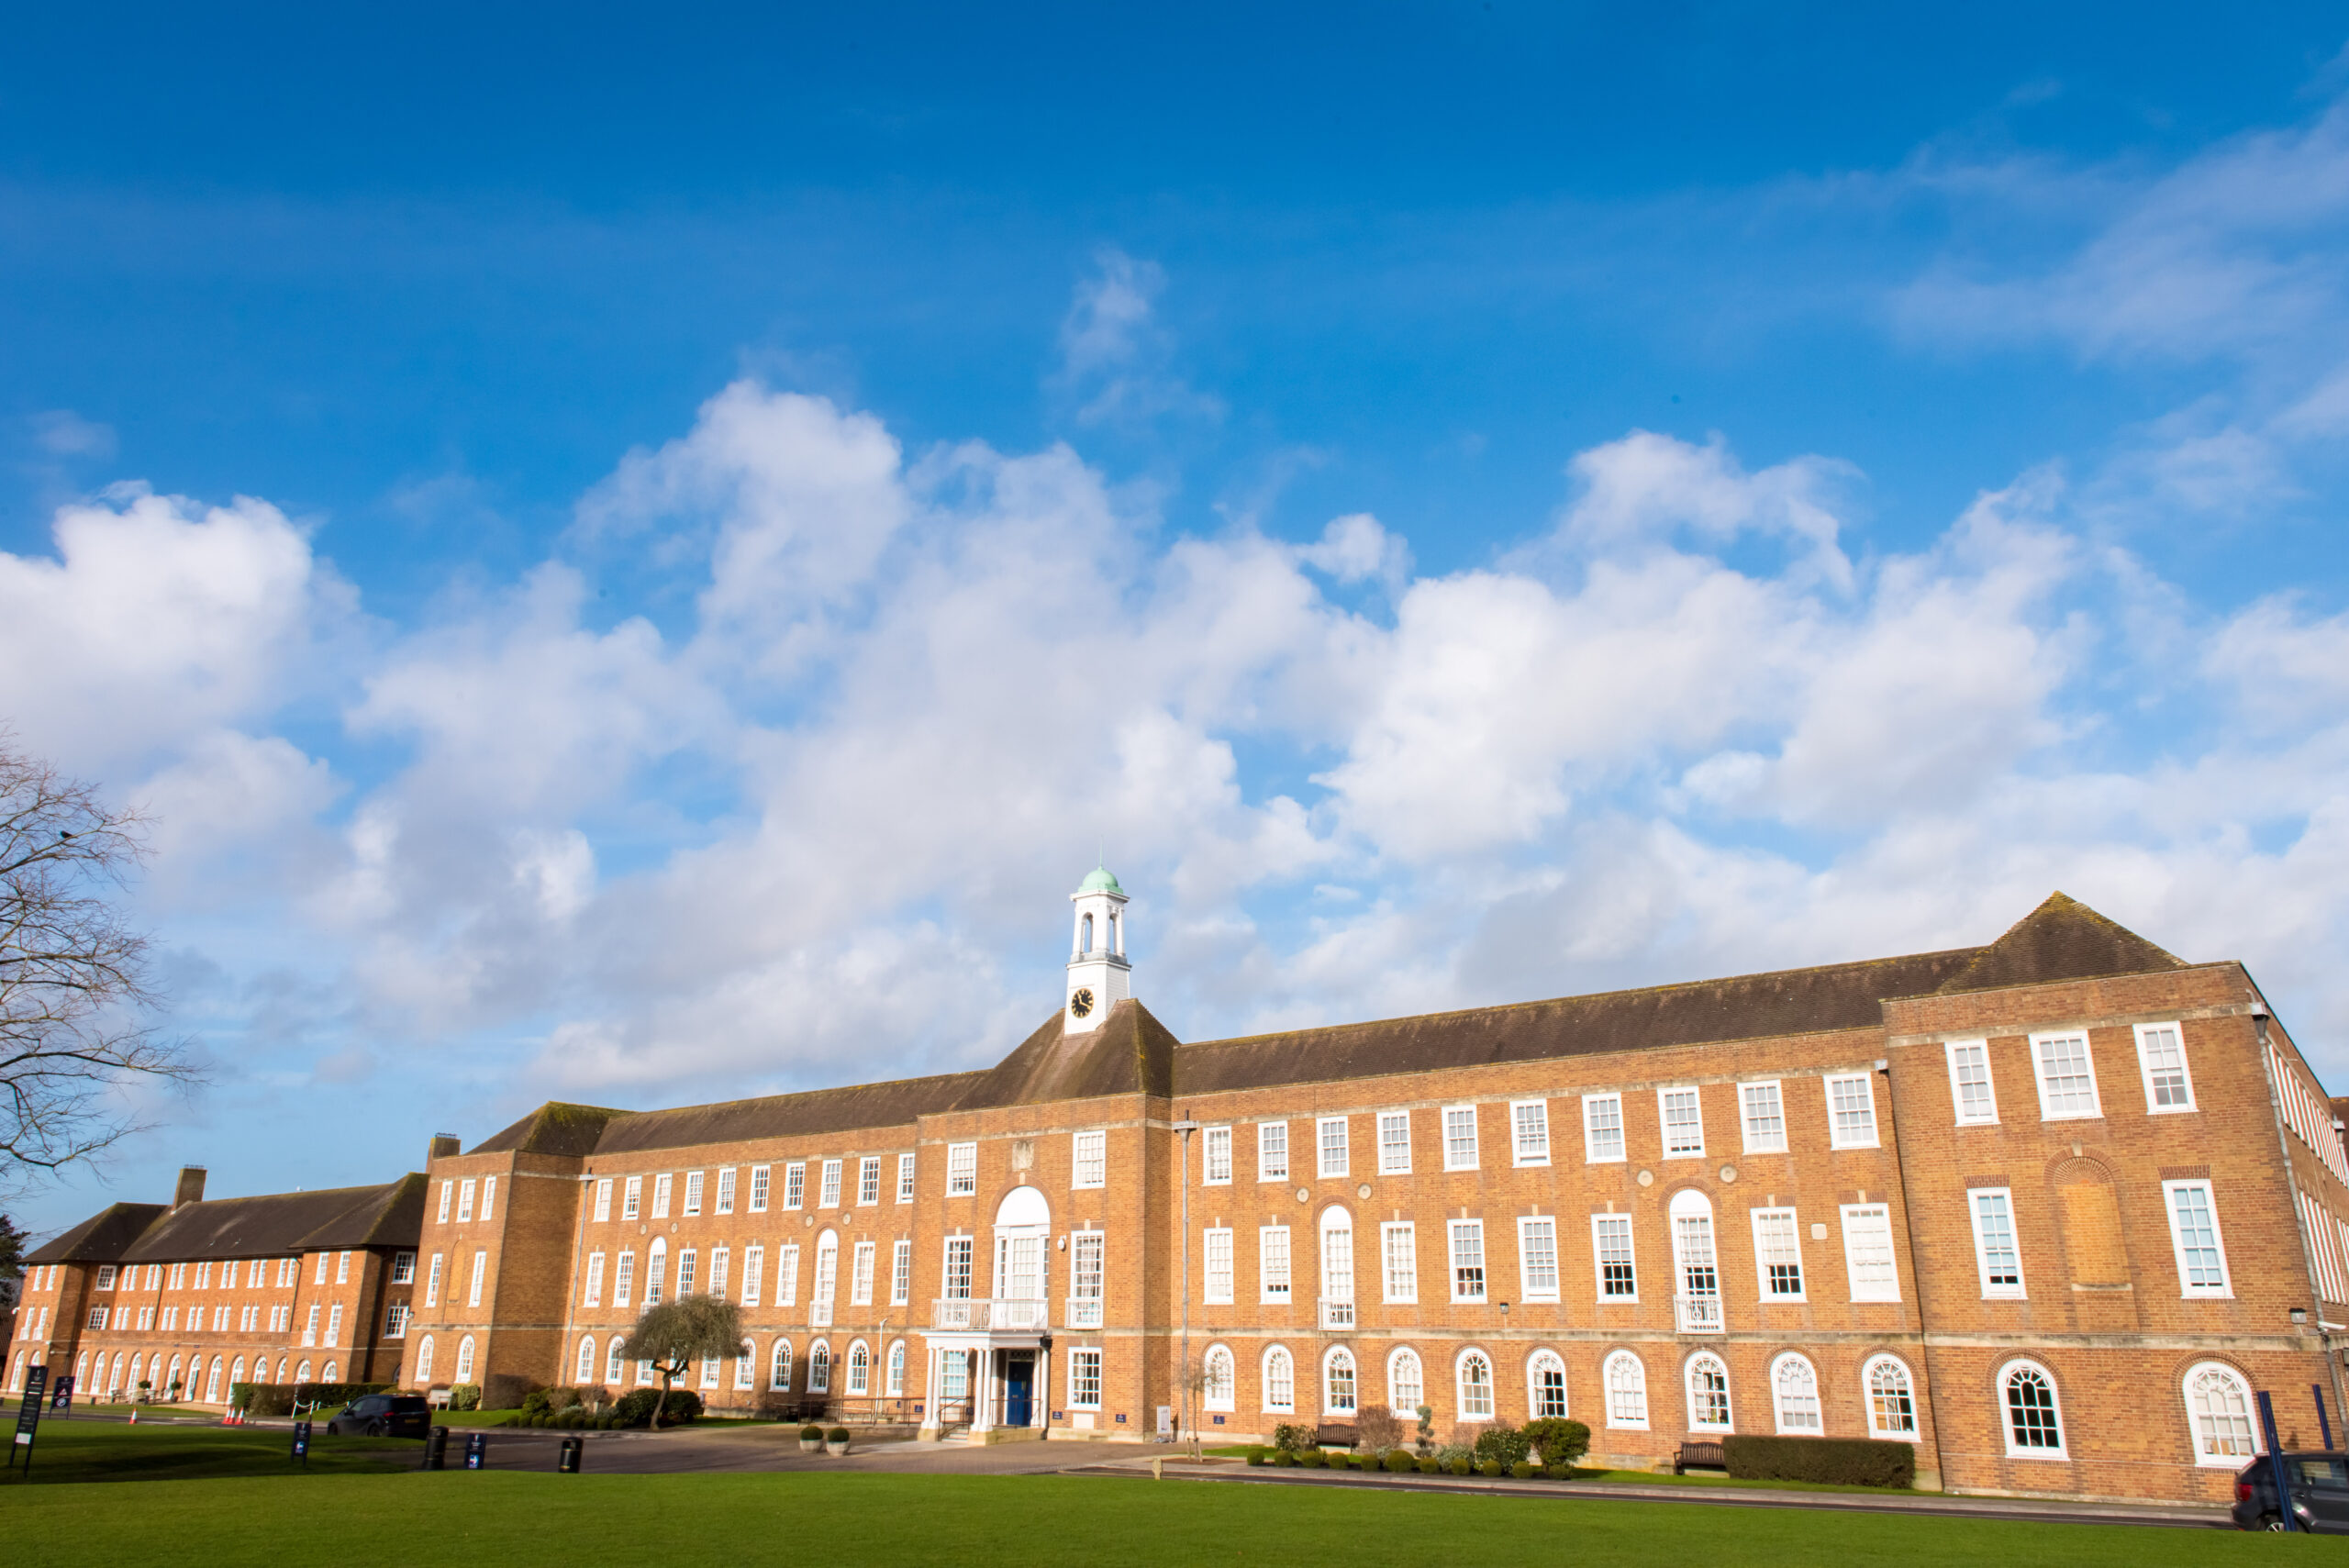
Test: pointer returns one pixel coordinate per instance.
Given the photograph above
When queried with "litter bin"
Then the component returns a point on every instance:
(436, 1448)
(476, 1451)
(573, 1447)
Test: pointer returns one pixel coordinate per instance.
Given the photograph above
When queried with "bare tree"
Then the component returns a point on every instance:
(74, 1004)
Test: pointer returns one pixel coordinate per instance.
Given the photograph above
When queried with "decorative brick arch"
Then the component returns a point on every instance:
(2087, 1214)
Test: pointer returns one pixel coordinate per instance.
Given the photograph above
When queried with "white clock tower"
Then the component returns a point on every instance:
(1098, 975)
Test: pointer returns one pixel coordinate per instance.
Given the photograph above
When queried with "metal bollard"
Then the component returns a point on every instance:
(302, 1442)
(436, 1448)
(476, 1451)
(567, 1462)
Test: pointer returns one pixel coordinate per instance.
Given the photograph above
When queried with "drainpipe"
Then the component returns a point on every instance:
(1186, 1128)
(1883, 1066)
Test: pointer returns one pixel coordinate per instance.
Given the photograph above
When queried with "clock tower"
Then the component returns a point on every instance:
(1098, 975)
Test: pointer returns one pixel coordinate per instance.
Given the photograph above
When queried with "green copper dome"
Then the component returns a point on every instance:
(1098, 880)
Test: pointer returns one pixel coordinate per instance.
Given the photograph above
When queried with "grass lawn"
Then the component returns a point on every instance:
(799, 1517)
(115, 1451)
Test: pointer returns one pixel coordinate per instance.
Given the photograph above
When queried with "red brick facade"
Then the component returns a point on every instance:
(2051, 1209)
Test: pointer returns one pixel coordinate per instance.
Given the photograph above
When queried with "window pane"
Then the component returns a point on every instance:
(1602, 1122)
(1684, 1126)
(1970, 1073)
(1532, 1123)
(2066, 1085)
(1394, 1143)
(1765, 1121)
(1616, 1277)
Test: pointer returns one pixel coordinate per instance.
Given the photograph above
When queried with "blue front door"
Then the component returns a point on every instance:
(1019, 1376)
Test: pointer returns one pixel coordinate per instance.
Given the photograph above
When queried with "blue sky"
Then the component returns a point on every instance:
(635, 556)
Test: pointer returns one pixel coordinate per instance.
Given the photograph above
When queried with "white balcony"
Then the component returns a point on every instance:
(1084, 1312)
(1698, 1314)
(982, 1315)
(1337, 1314)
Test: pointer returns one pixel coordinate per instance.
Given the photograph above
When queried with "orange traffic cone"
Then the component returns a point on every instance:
(134, 1414)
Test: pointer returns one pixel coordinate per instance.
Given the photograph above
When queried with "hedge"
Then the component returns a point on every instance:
(1844, 1462)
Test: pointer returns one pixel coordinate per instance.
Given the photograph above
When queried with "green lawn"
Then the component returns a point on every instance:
(115, 1451)
(729, 1522)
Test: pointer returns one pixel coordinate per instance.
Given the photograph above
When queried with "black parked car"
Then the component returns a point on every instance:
(2320, 1493)
(383, 1416)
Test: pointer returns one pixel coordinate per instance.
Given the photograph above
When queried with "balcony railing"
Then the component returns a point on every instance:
(1698, 1314)
(982, 1314)
(1084, 1312)
(1337, 1314)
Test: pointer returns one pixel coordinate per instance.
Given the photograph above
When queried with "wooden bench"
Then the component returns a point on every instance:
(1708, 1455)
(1335, 1434)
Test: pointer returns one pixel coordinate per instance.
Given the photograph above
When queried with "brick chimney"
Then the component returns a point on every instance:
(445, 1145)
(191, 1187)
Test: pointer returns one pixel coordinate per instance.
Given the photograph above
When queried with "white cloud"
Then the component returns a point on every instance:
(1115, 360)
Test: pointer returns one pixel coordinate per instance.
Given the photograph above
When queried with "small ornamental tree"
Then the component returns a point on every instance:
(679, 1332)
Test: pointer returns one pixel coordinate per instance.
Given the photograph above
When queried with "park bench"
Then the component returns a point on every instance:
(1708, 1455)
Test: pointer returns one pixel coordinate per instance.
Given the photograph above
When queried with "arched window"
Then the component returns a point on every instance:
(1475, 1379)
(173, 1387)
(613, 1366)
(656, 1271)
(16, 1374)
(302, 1374)
(119, 1384)
(820, 1368)
(137, 1370)
(710, 1372)
(1221, 1392)
(1337, 1268)
(212, 1390)
(1338, 1382)
(746, 1364)
(1696, 1272)
(1405, 1383)
(2218, 1404)
(81, 1372)
(1545, 1386)
(1085, 936)
(1795, 1383)
(464, 1361)
(1708, 1394)
(1892, 1399)
(236, 1373)
(423, 1362)
(779, 1368)
(585, 1370)
(281, 1369)
(2034, 1427)
(859, 1369)
(643, 1373)
(326, 1376)
(1280, 1382)
(896, 1386)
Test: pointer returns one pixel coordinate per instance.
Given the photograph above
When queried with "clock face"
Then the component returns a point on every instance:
(1081, 1004)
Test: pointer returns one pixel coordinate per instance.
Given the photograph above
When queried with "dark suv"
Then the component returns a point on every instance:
(383, 1416)
(2320, 1493)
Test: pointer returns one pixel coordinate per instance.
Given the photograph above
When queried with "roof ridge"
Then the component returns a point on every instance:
(801, 1094)
(1665, 989)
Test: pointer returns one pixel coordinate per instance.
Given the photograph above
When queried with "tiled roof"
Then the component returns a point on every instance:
(273, 1224)
(2061, 940)
(783, 1116)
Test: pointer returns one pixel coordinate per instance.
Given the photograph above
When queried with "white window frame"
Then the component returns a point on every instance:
(868, 1182)
(1606, 1391)
(1417, 1381)
(794, 1184)
(662, 1187)
(2019, 1290)
(1817, 1428)
(2146, 1070)
(1088, 1158)
(2088, 1059)
(1394, 1158)
(1877, 1428)
(632, 1198)
(1688, 1393)
(1592, 1152)
(2225, 1289)
(1272, 1164)
(604, 1200)
(1331, 1359)
(962, 1170)
(1528, 1287)
(1836, 1138)
(1084, 1367)
(694, 1183)
(1220, 1391)
(1399, 1286)
(1767, 1142)
(1265, 1386)
(1454, 1157)
(1276, 1265)
(1762, 1262)
(1890, 1290)
(2203, 1458)
(1215, 1157)
(1950, 1050)
(1323, 1164)
(901, 1271)
(1215, 1291)
(1460, 1385)
(1663, 1119)
(2006, 1415)
(1598, 1258)
(828, 1192)
(860, 1279)
(761, 1181)
(1455, 1231)
(905, 1177)
(1522, 1152)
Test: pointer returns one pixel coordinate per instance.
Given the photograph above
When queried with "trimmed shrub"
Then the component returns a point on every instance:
(1256, 1456)
(1430, 1467)
(1556, 1442)
(1490, 1467)
(1521, 1470)
(635, 1408)
(811, 1434)
(1376, 1429)
(507, 1390)
(1313, 1459)
(1502, 1445)
(1285, 1456)
(1400, 1460)
(837, 1434)
(1458, 1466)
(1293, 1438)
(1842, 1462)
(465, 1396)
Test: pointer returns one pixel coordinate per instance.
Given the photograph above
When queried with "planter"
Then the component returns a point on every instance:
(837, 1447)
(811, 1445)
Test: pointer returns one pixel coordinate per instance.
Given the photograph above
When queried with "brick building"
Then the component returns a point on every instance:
(2051, 1208)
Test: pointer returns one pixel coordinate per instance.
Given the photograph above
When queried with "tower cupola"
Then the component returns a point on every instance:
(1098, 975)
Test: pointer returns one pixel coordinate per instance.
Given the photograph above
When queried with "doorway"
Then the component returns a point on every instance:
(1019, 1385)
